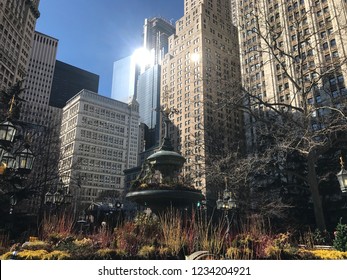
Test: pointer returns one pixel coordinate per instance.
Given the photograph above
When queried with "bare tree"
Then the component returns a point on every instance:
(303, 115)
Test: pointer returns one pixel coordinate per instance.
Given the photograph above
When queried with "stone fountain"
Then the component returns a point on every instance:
(159, 185)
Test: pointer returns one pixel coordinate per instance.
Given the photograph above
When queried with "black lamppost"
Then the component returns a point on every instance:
(21, 162)
(82, 221)
(342, 177)
(14, 166)
(7, 133)
(60, 196)
(13, 202)
(227, 203)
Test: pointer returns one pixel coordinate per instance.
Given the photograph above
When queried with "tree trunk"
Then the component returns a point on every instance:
(317, 202)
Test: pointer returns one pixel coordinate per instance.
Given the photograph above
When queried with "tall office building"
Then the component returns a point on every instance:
(38, 84)
(126, 71)
(155, 37)
(17, 25)
(48, 82)
(40, 120)
(156, 34)
(307, 45)
(124, 80)
(99, 139)
(148, 96)
(68, 80)
(199, 72)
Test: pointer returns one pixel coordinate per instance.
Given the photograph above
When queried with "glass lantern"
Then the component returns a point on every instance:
(342, 177)
(7, 133)
(25, 161)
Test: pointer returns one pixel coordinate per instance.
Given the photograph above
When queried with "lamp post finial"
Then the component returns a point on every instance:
(342, 162)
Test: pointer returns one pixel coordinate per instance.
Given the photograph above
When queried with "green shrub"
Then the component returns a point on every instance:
(31, 254)
(36, 245)
(79, 249)
(110, 254)
(340, 241)
(321, 237)
(146, 252)
(57, 255)
(7, 256)
(330, 254)
(305, 254)
(85, 242)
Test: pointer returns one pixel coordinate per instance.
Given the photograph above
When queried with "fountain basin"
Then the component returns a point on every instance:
(161, 199)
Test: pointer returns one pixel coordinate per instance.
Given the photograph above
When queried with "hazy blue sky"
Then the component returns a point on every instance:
(93, 34)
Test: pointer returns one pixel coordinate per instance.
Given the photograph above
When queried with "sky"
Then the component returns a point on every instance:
(93, 34)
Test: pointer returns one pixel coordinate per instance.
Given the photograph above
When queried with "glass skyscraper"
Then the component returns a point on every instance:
(124, 79)
(148, 96)
(133, 79)
(156, 34)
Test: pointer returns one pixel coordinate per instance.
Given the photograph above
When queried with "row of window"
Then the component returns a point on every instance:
(100, 164)
(111, 127)
(117, 155)
(103, 112)
(90, 178)
(102, 137)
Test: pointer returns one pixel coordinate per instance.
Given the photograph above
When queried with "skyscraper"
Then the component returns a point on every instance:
(68, 80)
(148, 96)
(48, 82)
(38, 84)
(40, 120)
(156, 34)
(124, 80)
(17, 25)
(292, 52)
(200, 70)
(99, 139)
(155, 37)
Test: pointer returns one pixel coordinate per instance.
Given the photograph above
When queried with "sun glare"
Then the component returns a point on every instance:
(142, 57)
(195, 57)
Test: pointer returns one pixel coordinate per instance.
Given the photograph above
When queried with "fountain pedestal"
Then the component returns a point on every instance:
(157, 187)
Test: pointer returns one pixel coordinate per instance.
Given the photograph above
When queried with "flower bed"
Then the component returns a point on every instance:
(171, 235)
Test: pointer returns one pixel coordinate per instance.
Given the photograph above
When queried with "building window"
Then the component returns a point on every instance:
(332, 43)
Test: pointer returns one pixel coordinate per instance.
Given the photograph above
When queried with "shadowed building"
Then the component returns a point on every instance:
(305, 61)
(17, 26)
(68, 80)
(202, 69)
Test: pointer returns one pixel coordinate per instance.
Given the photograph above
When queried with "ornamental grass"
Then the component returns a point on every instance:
(175, 234)
(61, 225)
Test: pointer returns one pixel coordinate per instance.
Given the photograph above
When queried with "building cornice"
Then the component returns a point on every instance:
(34, 8)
